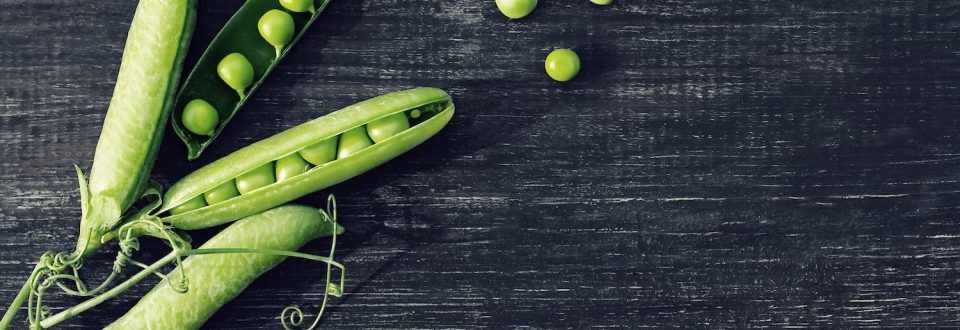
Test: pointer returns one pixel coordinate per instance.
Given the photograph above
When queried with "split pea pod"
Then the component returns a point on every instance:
(215, 279)
(396, 122)
(237, 61)
(132, 130)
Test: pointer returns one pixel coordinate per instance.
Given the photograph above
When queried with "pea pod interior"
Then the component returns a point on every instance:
(427, 110)
(239, 35)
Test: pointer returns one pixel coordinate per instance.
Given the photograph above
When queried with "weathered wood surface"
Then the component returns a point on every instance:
(775, 163)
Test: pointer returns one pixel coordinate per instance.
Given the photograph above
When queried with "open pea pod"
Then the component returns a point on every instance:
(306, 158)
(234, 65)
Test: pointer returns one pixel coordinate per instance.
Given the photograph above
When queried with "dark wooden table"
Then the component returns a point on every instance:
(716, 163)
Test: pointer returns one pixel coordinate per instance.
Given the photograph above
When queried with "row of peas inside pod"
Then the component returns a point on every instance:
(277, 28)
(313, 156)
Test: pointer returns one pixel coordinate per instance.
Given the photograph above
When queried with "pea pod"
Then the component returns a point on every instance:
(427, 110)
(133, 128)
(215, 279)
(243, 39)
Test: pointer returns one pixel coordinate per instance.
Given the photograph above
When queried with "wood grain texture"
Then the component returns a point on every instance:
(716, 163)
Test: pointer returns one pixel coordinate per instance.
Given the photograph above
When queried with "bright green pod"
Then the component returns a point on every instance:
(353, 141)
(436, 108)
(256, 178)
(215, 279)
(388, 126)
(291, 166)
(150, 68)
(241, 34)
(321, 152)
(223, 192)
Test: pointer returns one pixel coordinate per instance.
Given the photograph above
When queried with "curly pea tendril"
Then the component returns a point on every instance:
(52, 268)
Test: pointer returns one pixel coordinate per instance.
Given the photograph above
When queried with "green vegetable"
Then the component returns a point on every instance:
(353, 141)
(256, 178)
(562, 64)
(199, 117)
(388, 126)
(276, 27)
(133, 127)
(235, 70)
(212, 280)
(435, 106)
(238, 35)
(190, 205)
(321, 152)
(132, 130)
(516, 8)
(291, 166)
(602, 2)
(298, 6)
(223, 192)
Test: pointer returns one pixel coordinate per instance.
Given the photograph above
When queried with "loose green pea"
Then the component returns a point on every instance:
(276, 27)
(236, 71)
(256, 178)
(352, 141)
(223, 192)
(602, 2)
(291, 166)
(388, 126)
(516, 8)
(321, 152)
(190, 205)
(200, 118)
(562, 64)
(298, 6)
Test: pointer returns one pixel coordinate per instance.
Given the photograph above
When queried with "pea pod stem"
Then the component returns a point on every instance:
(21, 297)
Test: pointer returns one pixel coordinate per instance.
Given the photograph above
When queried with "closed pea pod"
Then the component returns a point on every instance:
(215, 279)
(260, 34)
(435, 106)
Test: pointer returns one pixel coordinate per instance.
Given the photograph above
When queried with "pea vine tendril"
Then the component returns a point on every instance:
(62, 268)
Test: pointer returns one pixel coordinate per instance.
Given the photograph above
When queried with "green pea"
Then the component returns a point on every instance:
(199, 117)
(602, 2)
(276, 27)
(298, 6)
(516, 8)
(236, 71)
(190, 205)
(291, 166)
(388, 126)
(223, 192)
(256, 178)
(353, 141)
(320, 152)
(562, 64)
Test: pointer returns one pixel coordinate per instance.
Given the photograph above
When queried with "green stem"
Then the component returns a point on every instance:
(80, 308)
(18, 301)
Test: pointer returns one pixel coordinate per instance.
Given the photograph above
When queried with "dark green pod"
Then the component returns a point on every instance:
(434, 108)
(239, 35)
